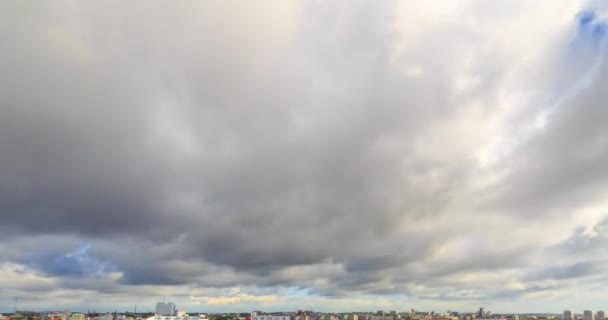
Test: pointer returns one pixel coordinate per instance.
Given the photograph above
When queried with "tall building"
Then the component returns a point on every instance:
(601, 315)
(568, 315)
(588, 315)
(166, 309)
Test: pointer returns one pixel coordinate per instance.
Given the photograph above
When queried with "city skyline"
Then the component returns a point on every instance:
(170, 311)
(282, 155)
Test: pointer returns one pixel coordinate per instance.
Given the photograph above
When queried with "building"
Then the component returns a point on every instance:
(77, 316)
(161, 317)
(53, 316)
(601, 315)
(588, 315)
(269, 317)
(166, 309)
(568, 315)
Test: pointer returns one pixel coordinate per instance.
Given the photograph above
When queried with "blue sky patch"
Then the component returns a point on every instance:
(585, 18)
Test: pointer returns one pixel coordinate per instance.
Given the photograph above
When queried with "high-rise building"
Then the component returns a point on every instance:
(568, 315)
(271, 317)
(588, 315)
(166, 309)
(601, 315)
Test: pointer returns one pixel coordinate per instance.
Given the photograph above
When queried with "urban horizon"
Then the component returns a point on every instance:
(232, 156)
(235, 310)
(151, 311)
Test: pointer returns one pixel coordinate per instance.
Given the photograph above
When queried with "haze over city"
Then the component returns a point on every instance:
(336, 156)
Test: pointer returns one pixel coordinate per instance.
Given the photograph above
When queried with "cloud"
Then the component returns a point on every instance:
(236, 296)
(304, 152)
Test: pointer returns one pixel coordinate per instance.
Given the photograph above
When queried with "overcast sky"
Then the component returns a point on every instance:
(327, 155)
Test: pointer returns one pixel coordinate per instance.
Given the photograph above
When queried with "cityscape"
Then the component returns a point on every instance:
(169, 311)
(303, 159)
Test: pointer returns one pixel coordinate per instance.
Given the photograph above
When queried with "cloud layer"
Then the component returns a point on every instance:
(276, 155)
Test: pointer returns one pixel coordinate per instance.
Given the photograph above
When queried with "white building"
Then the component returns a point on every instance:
(601, 315)
(568, 315)
(269, 317)
(588, 315)
(160, 317)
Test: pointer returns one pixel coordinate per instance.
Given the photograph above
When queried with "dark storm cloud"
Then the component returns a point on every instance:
(73, 158)
(287, 169)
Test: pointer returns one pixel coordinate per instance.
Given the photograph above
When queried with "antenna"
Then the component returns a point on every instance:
(16, 300)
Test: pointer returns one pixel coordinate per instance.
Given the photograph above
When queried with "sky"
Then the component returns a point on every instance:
(281, 155)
